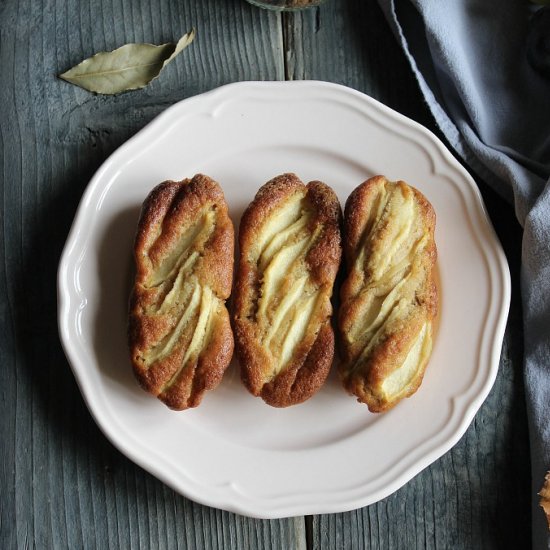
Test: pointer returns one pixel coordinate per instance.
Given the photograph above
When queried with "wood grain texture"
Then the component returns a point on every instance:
(62, 484)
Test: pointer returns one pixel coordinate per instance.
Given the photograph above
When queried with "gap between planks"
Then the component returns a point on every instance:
(304, 534)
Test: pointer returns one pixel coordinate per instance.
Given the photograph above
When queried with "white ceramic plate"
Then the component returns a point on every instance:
(234, 452)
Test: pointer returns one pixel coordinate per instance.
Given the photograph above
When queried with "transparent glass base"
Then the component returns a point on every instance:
(286, 5)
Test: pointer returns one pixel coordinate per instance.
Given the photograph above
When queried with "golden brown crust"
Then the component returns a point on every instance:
(389, 298)
(290, 251)
(179, 330)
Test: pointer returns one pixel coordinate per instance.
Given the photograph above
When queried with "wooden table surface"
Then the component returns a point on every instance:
(63, 485)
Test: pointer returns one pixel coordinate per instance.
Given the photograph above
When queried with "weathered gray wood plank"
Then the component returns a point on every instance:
(477, 495)
(350, 43)
(62, 484)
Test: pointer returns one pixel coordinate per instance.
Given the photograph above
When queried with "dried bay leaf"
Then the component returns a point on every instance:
(129, 67)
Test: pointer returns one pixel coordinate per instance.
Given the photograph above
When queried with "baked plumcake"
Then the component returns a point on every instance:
(389, 298)
(180, 335)
(290, 251)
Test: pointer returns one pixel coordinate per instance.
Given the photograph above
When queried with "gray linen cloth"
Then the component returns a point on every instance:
(469, 57)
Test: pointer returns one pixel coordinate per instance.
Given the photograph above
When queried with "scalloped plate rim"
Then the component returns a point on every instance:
(231, 500)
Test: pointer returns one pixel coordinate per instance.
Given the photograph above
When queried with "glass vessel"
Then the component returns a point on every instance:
(286, 5)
